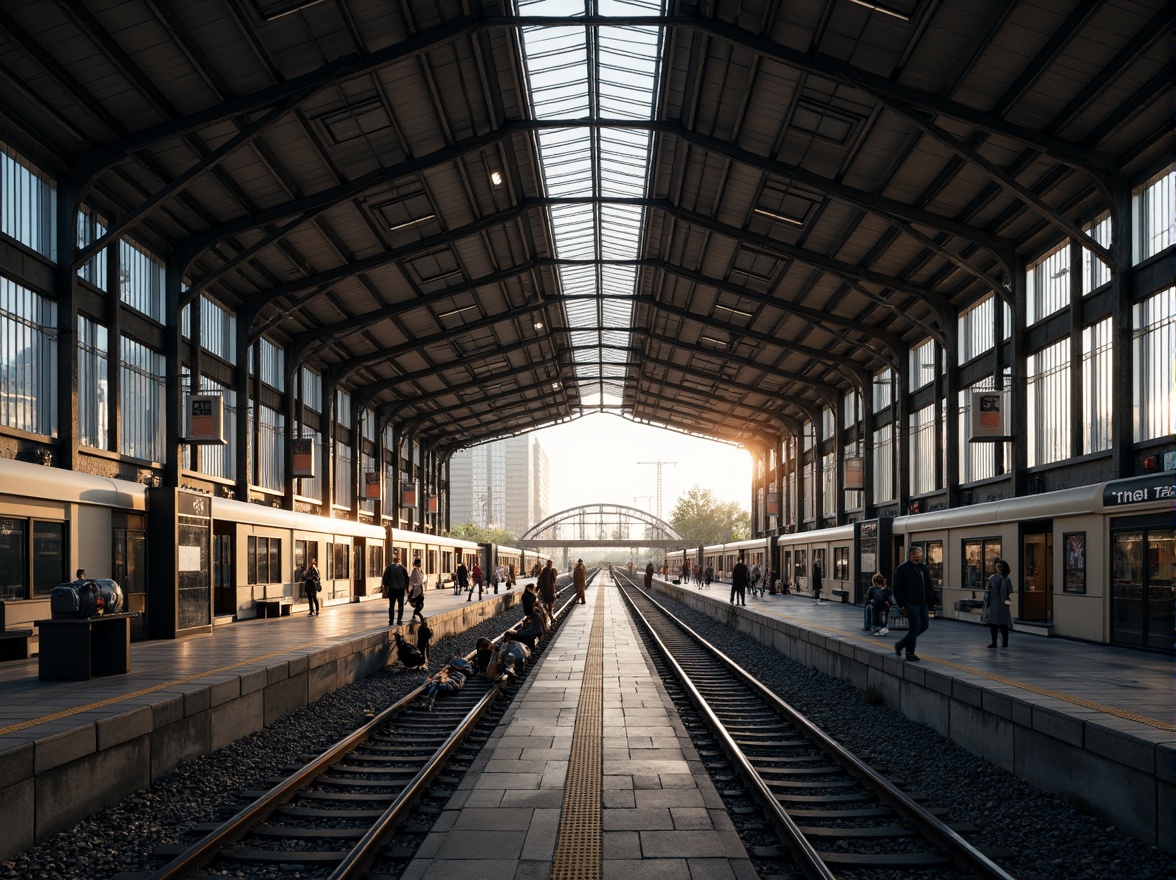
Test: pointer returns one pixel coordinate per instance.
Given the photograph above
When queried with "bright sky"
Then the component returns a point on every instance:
(594, 459)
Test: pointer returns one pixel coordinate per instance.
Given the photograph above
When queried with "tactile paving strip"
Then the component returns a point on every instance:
(577, 847)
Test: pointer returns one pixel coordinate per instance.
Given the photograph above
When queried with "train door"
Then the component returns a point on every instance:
(1143, 574)
(358, 568)
(787, 577)
(224, 583)
(1037, 572)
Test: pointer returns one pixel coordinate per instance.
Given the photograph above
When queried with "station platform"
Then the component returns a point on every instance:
(589, 766)
(1092, 721)
(71, 748)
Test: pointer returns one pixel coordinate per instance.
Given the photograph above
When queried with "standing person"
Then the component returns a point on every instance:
(416, 589)
(579, 580)
(739, 580)
(477, 583)
(912, 593)
(709, 576)
(816, 579)
(997, 601)
(461, 581)
(510, 582)
(530, 597)
(756, 578)
(394, 584)
(649, 576)
(547, 587)
(878, 602)
(311, 584)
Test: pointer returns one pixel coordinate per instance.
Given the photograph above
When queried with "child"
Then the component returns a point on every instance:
(879, 599)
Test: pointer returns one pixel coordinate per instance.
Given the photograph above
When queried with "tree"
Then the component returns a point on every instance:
(701, 519)
(472, 532)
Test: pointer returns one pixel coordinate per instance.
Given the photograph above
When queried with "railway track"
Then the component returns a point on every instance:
(337, 816)
(834, 815)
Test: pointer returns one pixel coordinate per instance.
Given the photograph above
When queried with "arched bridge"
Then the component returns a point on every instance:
(601, 525)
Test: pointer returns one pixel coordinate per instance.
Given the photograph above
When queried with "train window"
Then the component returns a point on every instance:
(13, 559)
(841, 563)
(819, 561)
(801, 569)
(933, 556)
(375, 561)
(979, 560)
(329, 573)
(48, 556)
(251, 560)
(342, 561)
(302, 555)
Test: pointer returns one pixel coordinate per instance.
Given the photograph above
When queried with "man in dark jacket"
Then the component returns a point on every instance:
(740, 577)
(546, 584)
(912, 593)
(394, 585)
(649, 576)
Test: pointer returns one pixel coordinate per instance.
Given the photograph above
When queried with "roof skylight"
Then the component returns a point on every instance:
(591, 74)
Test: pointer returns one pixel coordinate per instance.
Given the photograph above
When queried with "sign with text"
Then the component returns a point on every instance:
(206, 419)
(371, 484)
(855, 470)
(1140, 490)
(988, 416)
(302, 461)
(408, 495)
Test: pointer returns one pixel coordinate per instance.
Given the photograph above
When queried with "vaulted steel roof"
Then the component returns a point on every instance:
(806, 189)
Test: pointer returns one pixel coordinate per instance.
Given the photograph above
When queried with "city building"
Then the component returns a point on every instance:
(504, 484)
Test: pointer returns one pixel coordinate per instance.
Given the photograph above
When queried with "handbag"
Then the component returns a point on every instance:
(986, 611)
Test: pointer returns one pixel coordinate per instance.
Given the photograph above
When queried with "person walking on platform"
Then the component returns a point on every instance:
(547, 587)
(998, 599)
(461, 579)
(394, 584)
(476, 583)
(579, 580)
(740, 577)
(510, 572)
(816, 579)
(311, 584)
(912, 593)
(416, 590)
(708, 576)
(649, 576)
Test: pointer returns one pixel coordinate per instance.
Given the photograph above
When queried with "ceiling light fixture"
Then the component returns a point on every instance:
(893, 13)
(538, 325)
(713, 341)
(457, 311)
(496, 178)
(783, 218)
(555, 386)
(739, 312)
(409, 223)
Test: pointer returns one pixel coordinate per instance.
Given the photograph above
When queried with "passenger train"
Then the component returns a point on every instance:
(187, 560)
(1095, 563)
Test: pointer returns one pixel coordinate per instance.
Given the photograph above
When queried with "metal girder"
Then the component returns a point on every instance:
(366, 264)
(555, 519)
(492, 378)
(887, 91)
(719, 427)
(430, 416)
(718, 381)
(841, 362)
(308, 83)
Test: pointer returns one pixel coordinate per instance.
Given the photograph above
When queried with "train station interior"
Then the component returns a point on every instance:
(267, 265)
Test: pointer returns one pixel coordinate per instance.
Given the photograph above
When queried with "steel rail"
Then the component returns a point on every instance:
(965, 856)
(241, 823)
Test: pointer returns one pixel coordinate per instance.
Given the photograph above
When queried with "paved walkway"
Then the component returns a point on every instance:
(660, 815)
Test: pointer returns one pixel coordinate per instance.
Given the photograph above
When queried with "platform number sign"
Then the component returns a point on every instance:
(206, 419)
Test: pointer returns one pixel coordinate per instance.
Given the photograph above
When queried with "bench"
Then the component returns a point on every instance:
(14, 643)
(843, 595)
(277, 606)
(969, 605)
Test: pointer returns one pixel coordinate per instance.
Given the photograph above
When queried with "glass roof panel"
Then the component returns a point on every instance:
(580, 74)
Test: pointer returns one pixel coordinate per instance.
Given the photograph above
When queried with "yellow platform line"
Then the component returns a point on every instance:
(578, 843)
(110, 701)
(1032, 688)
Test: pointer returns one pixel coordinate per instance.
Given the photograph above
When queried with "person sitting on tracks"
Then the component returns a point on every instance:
(446, 681)
(408, 653)
(530, 632)
(486, 659)
(530, 597)
(461, 664)
(513, 655)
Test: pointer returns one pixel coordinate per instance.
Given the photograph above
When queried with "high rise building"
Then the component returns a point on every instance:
(504, 484)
